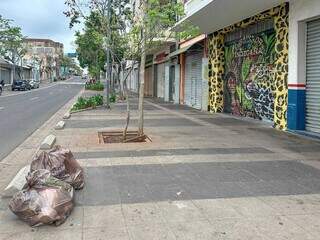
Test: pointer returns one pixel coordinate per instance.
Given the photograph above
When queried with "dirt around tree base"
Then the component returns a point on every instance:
(117, 137)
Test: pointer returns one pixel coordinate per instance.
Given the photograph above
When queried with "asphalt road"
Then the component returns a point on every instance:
(25, 112)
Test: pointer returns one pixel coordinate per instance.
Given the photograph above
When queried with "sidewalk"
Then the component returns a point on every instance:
(203, 176)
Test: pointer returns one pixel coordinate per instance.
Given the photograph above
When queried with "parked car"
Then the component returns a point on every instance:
(34, 84)
(21, 85)
(1, 86)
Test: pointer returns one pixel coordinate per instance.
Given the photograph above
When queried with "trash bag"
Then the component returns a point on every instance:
(62, 165)
(46, 200)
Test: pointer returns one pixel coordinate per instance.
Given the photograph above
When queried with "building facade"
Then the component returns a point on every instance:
(45, 54)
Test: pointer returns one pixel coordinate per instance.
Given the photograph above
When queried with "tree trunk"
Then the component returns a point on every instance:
(141, 88)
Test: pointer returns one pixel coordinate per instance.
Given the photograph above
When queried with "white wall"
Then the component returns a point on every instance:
(301, 11)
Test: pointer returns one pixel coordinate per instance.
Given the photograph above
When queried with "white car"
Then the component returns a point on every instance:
(34, 84)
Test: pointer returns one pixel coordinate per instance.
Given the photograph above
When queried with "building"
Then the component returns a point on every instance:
(7, 70)
(263, 60)
(45, 54)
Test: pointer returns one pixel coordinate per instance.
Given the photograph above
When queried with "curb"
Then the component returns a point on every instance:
(45, 129)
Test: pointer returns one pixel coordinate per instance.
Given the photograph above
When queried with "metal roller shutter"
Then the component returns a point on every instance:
(313, 77)
(193, 80)
(160, 80)
(148, 85)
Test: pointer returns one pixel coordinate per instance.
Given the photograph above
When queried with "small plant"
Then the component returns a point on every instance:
(98, 86)
(113, 98)
(91, 102)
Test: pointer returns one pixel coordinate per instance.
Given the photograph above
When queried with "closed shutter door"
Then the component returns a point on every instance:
(148, 86)
(5, 76)
(313, 77)
(160, 80)
(193, 80)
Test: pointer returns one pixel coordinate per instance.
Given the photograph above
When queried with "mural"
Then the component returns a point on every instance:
(216, 46)
(249, 88)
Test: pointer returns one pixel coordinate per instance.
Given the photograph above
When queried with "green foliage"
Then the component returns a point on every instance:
(245, 70)
(91, 102)
(229, 55)
(188, 31)
(113, 98)
(11, 41)
(90, 48)
(98, 86)
(269, 49)
(70, 64)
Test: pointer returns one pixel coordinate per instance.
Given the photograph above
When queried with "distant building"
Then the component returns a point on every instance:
(44, 56)
(7, 71)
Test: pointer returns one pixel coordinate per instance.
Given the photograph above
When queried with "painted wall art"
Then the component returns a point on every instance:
(249, 86)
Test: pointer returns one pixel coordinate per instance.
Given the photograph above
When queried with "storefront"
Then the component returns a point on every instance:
(193, 78)
(148, 77)
(160, 66)
(248, 83)
(313, 77)
(304, 66)
(148, 81)
(248, 67)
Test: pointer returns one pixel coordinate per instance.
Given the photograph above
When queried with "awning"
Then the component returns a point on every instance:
(213, 15)
(179, 51)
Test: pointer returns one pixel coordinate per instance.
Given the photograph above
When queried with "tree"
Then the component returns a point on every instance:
(11, 42)
(140, 32)
(106, 17)
(90, 48)
(149, 29)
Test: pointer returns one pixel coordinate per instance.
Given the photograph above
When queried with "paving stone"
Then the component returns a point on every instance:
(150, 230)
(170, 152)
(195, 230)
(105, 233)
(103, 216)
(140, 214)
(48, 142)
(17, 183)
(66, 115)
(180, 211)
(60, 125)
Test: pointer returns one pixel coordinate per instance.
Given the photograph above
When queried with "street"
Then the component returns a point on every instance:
(24, 112)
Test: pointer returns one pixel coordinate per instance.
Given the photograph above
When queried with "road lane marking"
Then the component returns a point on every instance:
(34, 98)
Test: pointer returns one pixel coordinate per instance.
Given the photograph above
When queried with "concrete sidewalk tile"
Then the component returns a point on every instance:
(309, 222)
(58, 235)
(140, 214)
(237, 228)
(281, 228)
(9, 223)
(192, 230)
(180, 211)
(251, 207)
(298, 204)
(103, 216)
(105, 233)
(17, 236)
(150, 230)
(215, 209)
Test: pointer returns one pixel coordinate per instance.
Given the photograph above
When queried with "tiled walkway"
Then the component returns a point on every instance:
(202, 177)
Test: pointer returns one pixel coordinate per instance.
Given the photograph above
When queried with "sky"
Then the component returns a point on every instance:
(40, 19)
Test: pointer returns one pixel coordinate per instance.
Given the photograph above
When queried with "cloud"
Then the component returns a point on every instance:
(40, 19)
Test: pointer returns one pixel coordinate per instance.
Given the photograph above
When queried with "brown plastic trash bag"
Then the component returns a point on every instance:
(47, 200)
(62, 165)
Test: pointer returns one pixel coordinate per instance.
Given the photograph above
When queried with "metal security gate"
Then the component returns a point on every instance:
(193, 80)
(160, 80)
(148, 85)
(313, 77)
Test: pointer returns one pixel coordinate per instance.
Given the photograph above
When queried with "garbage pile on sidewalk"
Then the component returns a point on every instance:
(47, 197)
